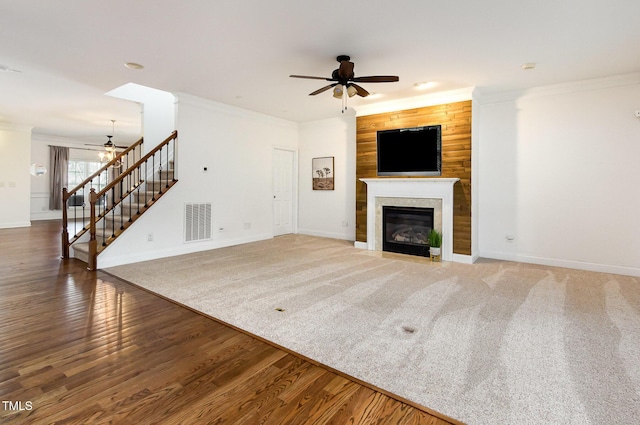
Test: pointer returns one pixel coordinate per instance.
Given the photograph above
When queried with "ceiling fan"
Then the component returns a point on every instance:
(109, 145)
(109, 154)
(345, 81)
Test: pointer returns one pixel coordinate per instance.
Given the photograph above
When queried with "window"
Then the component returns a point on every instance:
(79, 170)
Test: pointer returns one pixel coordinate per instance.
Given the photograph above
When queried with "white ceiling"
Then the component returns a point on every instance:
(70, 52)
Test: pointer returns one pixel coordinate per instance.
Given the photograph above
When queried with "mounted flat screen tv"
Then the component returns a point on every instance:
(410, 151)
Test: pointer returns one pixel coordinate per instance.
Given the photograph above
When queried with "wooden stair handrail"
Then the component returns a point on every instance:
(68, 194)
(141, 161)
(95, 196)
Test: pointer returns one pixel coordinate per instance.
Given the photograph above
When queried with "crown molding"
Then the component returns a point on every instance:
(414, 102)
(486, 97)
(15, 127)
(223, 108)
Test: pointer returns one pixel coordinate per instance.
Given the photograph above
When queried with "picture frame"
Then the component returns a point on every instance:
(322, 173)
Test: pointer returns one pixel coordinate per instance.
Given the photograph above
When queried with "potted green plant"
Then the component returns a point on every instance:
(435, 244)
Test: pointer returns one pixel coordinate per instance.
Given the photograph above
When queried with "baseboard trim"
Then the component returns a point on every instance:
(187, 248)
(15, 225)
(360, 245)
(321, 234)
(463, 258)
(569, 264)
(48, 215)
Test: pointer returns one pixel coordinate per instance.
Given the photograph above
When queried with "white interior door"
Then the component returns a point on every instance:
(283, 184)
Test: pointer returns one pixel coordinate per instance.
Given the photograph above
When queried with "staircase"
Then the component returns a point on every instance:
(112, 209)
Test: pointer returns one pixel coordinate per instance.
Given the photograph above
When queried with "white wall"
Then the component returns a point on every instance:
(236, 146)
(328, 213)
(39, 196)
(558, 171)
(40, 154)
(15, 180)
(157, 109)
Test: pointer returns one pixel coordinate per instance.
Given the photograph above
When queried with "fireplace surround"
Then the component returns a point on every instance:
(436, 193)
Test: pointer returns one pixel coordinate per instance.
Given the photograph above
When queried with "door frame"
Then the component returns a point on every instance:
(294, 187)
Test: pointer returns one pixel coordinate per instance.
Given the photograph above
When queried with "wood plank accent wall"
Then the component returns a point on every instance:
(455, 119)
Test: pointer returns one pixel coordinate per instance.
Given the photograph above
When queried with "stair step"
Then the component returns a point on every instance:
(81, 251)
(144, 196)
(117, 219)
(166, 174)
(133, 204)
(102, 234)
(157, 185)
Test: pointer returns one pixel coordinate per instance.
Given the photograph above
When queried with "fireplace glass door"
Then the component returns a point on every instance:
(406, 230)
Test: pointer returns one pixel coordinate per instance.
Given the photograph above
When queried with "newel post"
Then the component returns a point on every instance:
(93, 243)
(65, 225)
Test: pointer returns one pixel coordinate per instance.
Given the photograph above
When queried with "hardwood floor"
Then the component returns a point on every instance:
(85, 347)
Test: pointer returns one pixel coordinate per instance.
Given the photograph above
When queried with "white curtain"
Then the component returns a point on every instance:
(59, 166)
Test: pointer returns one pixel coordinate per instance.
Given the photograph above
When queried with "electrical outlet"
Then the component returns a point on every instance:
(638, 113)
(150, 237)
(345, 223)
(247, 226)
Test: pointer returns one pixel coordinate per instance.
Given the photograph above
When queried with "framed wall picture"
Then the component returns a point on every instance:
(322, 170)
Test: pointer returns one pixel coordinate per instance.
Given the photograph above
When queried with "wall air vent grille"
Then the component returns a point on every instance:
(197, 222)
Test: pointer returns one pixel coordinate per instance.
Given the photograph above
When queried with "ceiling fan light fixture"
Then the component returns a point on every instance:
(351, 91)
(109, 146)
(338, 91)
(109, 152)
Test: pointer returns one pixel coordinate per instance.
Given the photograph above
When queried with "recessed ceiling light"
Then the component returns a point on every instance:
(133, 65)
(529, 65)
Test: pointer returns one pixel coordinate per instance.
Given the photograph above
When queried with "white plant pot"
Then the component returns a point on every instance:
(434, 253)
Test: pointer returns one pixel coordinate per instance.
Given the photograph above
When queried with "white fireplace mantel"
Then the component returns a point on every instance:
(412, 188)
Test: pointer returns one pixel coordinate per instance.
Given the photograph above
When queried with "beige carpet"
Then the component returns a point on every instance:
(490, 343)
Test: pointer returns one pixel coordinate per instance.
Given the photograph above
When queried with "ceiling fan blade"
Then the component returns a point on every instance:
(325, 88)
(102, 146)
(377, 79)
(360, 91)
(311, 78)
